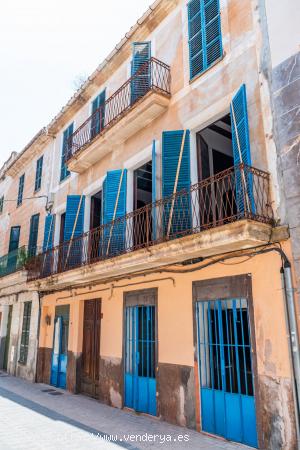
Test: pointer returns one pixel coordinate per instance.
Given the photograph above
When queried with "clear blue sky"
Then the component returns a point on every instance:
(45, 46)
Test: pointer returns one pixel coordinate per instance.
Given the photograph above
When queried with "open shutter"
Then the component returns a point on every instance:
(98, 111)
(74, 202)
(171, 146)
(154, 190)
(205, 38)
(49, 232)
(241, 151)
(114, 207)
(141, 82)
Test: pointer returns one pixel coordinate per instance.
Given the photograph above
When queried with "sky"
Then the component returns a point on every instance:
(46, 47)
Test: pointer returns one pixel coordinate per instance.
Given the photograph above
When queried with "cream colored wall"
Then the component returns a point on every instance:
(175, 315)
(20, 216)
(194, 104)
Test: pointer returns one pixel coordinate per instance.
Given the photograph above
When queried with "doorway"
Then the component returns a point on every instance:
(7, 338)
(215, 155)
(13, 248)
(95, 250)
(225, 370)
(140, 351)
(60, 347)
(142, 196)
(91, 348)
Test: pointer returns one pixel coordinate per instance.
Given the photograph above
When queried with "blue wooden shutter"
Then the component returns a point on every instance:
(64, 172)
(240, 136)
(171, 145)
(98, 111)
(49, 232)
(33, 234)
(141, 82)
(205, 37)
(114, 235)
(154, 190)
(73, 202)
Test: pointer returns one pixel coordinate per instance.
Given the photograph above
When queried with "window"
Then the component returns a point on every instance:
(33, 234)
(205, 39)
(66, 147)
(21, 189)
(98, 117)
(38, 174)
(1, 204)
(25, 333)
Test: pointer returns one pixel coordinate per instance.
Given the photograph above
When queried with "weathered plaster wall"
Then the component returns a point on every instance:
(176, 349)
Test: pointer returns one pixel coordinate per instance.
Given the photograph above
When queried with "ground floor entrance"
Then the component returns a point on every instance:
(89, 381)
(140, 352)
(225, 370)
(60, 347)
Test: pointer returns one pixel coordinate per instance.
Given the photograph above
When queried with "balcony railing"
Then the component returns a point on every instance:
(240, 192)
(154, 76)
(14, 261)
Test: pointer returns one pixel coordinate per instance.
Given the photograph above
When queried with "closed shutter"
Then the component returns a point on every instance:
(141, 82)
(49, 232)
(73, 212)
(205, 37)
(241, 150)
(171, 145)
(25, 333)
(98, 114)
(33, 234)
(114, 235)
(66, 149)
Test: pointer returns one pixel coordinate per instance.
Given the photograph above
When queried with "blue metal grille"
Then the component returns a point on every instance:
(140, 357)
(225, 369)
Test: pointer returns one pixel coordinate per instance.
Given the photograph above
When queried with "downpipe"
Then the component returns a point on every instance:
(293, 336)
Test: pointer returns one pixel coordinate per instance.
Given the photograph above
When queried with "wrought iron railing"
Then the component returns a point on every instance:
(15, 260)
(240, 192)
(154, 75)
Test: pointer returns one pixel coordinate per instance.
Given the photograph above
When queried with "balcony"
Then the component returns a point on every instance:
(133, 106)
(229, 211)
(13, 261)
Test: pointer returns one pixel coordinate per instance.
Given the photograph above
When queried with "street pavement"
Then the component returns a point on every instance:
(40, 417)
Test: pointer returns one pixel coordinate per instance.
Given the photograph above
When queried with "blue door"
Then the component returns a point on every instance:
(225, 370)
(60, 347)
(140, 357)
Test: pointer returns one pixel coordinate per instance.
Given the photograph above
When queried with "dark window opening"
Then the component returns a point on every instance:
(142, 197)
(215, 154)
(95, 222)
(62, 228)
(21, 190)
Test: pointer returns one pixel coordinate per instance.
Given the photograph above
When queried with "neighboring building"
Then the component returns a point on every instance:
(25, 182)
(160, 280)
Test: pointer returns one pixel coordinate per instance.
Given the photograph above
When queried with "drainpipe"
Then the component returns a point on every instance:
(293, 333)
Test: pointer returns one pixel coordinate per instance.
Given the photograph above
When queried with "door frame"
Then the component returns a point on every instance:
(144, 299)
(227, 288)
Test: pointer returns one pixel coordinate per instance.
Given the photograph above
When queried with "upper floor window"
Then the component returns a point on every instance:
(205, 38)
(64, 172)
(21, 190)
(38, 174)
(98, 114)
(140, 70)
(1, 204)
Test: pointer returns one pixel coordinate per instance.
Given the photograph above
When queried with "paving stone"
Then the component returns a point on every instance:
(33, 419)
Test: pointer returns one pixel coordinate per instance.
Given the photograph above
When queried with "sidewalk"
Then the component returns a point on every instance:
(39, 417)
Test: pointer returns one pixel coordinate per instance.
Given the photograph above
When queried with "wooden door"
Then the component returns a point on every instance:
(91, 348)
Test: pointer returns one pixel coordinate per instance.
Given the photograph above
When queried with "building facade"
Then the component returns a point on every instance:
(162, 280)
